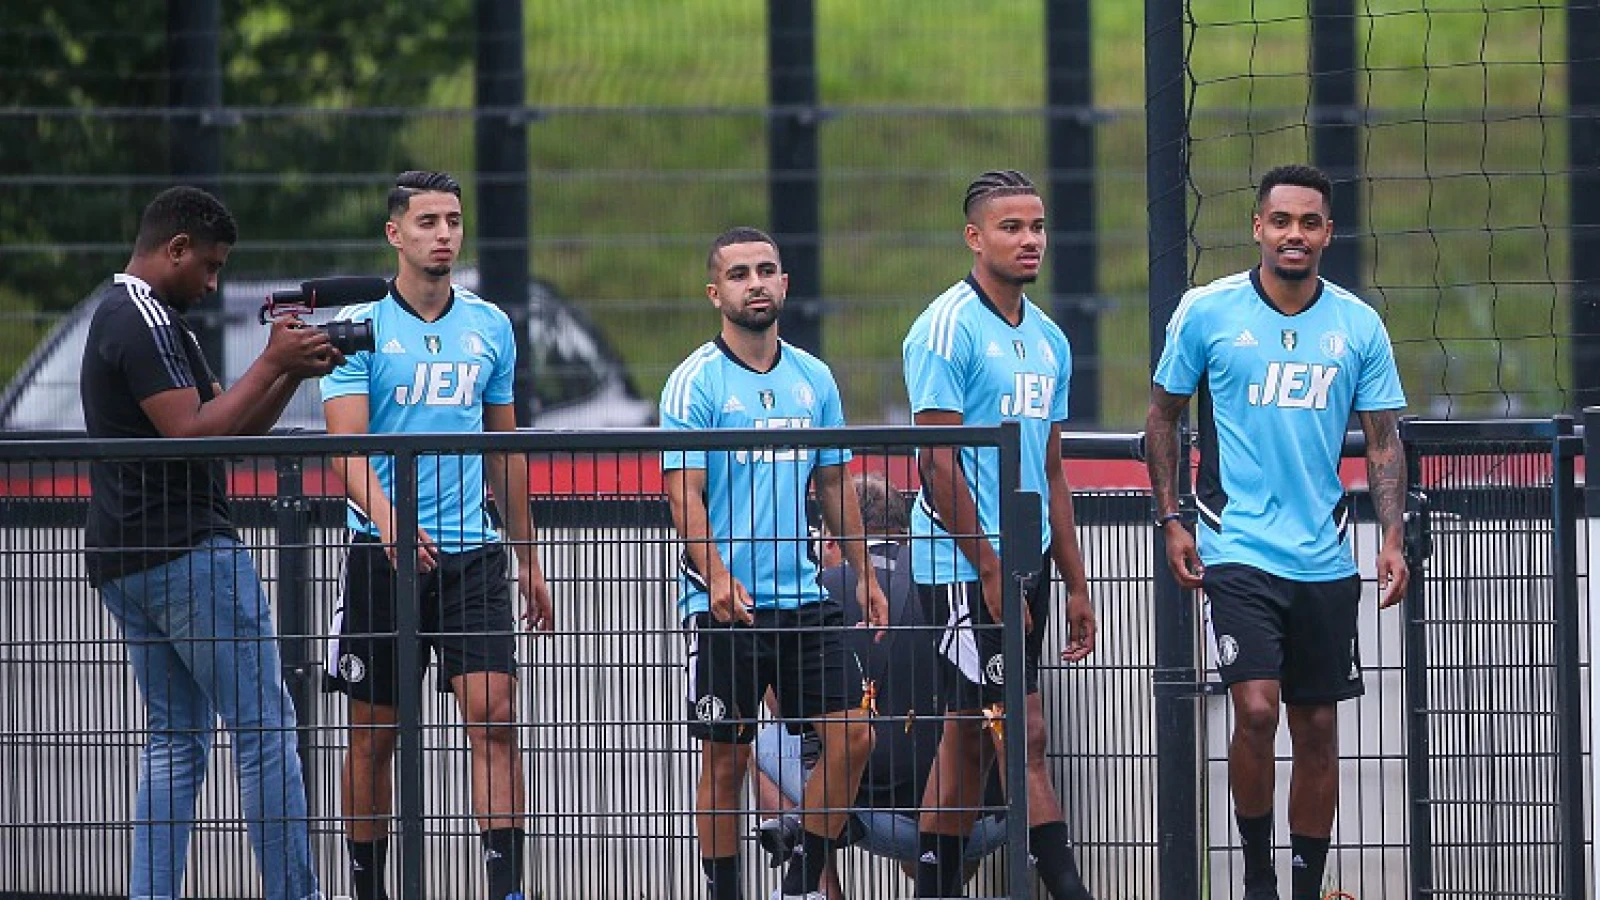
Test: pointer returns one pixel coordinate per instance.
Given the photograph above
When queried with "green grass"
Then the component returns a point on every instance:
(1465, 265)
(625, 199)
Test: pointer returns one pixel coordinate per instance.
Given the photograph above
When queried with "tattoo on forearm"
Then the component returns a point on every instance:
(1386, 468)
(1161, 448)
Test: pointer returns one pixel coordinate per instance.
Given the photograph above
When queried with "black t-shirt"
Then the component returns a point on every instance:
(905, 665)
(143, 513)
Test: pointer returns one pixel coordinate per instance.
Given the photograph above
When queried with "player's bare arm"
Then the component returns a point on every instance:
(841, 513)
(1067, 554)
(1161, 459)
(508, 479)
(1386, 482)
(952, 499)
(686, 493)
(349, 415)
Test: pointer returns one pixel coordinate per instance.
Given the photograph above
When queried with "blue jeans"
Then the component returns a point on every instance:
(888, 834)
(200, 638)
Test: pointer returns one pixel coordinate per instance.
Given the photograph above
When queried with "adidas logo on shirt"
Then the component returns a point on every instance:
(733, 405)
(994, 349)
(393, 347)
(1245, 339)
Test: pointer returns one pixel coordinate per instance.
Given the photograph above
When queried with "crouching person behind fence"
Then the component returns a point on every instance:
(903, 671)
(754, 613)
(444, 363)
(165, 557)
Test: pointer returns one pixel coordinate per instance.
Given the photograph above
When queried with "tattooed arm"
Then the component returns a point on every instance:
(1161, 458)
(1386, 482)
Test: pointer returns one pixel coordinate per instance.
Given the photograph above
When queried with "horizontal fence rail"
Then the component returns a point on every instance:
(601, 724)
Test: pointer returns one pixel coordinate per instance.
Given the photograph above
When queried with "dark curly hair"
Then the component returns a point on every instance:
(185, 210)
(1296, 175)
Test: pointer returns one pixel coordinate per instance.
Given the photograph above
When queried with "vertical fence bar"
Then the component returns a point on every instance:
(407, 657)
(291, 520)
(1583, 193)
(1070, 130)
(1418, 778)
(1591, 489)
(500, 143)
(1015, 566)
(1569, 685)
(1335, 132)
(793, 161)
(1175, 678)
(194, 147)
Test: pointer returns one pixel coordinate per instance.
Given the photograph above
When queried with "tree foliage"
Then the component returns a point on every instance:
(85, 139)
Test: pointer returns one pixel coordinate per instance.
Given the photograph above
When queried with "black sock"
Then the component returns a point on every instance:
(502, 856)
(367, 860)
(722, 877)
(941, 866)
(1052, 857)
(1310, 860)
(805, 868)
(1255, 834)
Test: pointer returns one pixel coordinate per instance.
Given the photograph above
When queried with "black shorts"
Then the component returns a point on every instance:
(972, 643)
(1301, 634)
(799, 653)
(466, 620)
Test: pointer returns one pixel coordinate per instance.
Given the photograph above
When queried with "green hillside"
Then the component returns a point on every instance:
(625, 198)
(652, 140)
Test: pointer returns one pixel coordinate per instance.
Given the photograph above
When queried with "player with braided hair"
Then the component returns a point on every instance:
(983, 354)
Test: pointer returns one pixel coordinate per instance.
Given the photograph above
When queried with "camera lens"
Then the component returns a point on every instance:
(351, 336)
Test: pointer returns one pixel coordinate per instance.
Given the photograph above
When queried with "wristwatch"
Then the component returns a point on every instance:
(1164, 518)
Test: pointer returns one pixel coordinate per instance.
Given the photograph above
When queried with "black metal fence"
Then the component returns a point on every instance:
(1463, 770)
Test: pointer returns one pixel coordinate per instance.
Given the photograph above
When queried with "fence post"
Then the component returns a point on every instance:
(1583, 195)
(1569, 684)
(1074, 275)
(291, 520)
(1335, 130)
(1418, 751)
(407, 653)
(793, 160)
(1175, 681)
(1018, 559)
(194, 147)
(500, 142)
(1591, 489)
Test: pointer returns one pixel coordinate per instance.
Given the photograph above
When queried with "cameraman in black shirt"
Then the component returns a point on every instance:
(166, 559)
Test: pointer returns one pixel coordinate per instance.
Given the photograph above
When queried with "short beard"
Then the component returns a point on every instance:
(437, 271)
(757, 323)
(1292, 274)
(1012, 277)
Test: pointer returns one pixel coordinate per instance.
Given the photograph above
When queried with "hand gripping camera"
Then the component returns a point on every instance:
(325, 293)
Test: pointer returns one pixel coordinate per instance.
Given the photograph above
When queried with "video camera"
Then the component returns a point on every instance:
(349, 337)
